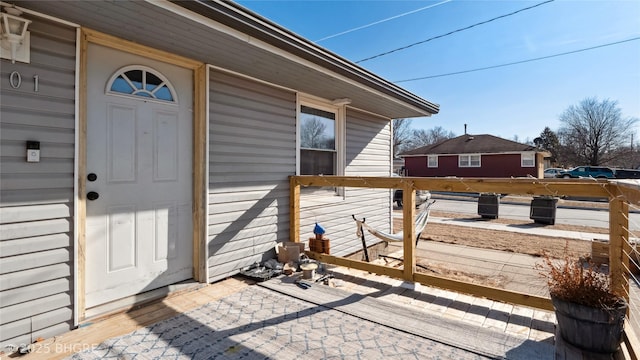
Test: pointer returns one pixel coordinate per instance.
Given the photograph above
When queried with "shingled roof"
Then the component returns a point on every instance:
(471, 144)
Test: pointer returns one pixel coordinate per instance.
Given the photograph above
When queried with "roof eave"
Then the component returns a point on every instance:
(242, 19)
(544, 153)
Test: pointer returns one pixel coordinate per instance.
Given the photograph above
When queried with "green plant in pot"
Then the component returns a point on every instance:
(590, 315)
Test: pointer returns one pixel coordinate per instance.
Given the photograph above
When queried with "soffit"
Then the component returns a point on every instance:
(240, 46)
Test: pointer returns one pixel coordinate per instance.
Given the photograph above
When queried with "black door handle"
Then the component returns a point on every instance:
(92, 195)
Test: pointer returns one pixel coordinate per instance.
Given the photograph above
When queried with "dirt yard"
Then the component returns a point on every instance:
(509, 241)
(534, 245)
(505, 240)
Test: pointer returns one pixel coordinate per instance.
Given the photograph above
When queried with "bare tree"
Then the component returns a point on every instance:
(405, 138)
(595, 130)
(401, 135)
(312, 135)
(427, 137)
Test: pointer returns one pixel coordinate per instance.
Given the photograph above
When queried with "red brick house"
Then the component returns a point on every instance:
(475, 156)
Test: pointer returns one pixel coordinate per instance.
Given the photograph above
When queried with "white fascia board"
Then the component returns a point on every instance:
(303, 44)
(178, 10)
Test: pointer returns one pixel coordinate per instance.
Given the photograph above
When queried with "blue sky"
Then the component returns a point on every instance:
(511, 101)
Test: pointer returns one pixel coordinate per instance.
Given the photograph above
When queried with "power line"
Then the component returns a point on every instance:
(381, 21)
(519, 62)
(452, 32)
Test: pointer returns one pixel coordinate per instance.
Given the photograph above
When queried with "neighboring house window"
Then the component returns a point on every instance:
(432, 161)
(528, 160)
(141, 81)
(469, 160)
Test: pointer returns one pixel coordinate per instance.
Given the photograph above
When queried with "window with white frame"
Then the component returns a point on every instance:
(528, 160)
(321, 141)
(318, 151)
(321, 149)
(432, 161)
(469, 160)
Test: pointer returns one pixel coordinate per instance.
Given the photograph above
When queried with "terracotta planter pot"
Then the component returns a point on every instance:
(588, 328)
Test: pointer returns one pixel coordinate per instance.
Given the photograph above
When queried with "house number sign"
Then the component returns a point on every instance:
(15, 80)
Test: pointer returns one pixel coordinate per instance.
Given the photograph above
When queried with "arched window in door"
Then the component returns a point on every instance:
(141, 81)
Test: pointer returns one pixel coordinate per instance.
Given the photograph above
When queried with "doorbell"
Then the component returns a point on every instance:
(33, 151)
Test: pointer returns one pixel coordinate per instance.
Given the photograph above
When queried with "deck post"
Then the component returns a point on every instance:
(294, 209)
(409, 230)
(200, 178)
(619, 246)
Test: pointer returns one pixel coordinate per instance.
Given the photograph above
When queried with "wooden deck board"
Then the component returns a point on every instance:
(419, 322)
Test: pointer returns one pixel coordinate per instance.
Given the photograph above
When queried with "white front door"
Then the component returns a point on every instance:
(139, 175)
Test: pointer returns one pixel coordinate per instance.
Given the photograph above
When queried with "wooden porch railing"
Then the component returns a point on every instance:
(620, 195)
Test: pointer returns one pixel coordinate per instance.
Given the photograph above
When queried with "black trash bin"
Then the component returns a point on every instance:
(543, 210)
(488, 205)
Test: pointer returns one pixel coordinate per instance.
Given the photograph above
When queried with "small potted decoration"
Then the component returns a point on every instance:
(590, 315)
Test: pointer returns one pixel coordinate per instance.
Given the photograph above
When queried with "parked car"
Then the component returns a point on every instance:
(627, 173)
(421, 196)
(552, 172)
(599, 172)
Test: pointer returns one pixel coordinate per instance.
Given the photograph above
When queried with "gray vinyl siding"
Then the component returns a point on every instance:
(36, 199)
(251, 155)
(368, 153)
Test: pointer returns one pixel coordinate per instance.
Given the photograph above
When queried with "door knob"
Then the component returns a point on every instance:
(92, 195)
